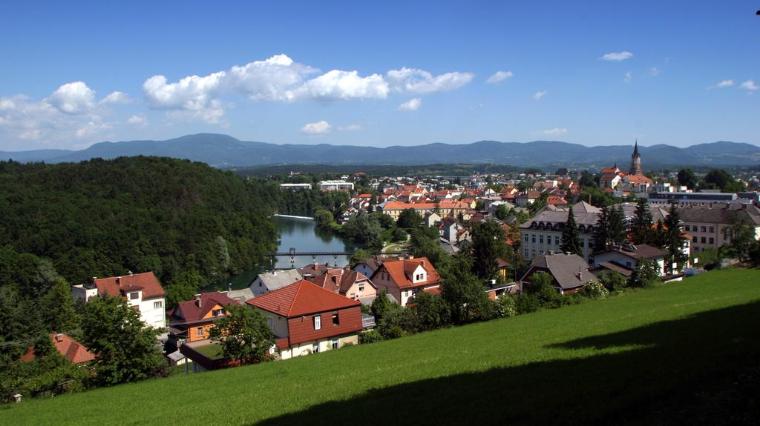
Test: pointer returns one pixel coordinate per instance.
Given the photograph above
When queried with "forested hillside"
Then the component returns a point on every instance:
(104, 217)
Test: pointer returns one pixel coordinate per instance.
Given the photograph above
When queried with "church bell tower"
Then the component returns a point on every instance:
(636, 160)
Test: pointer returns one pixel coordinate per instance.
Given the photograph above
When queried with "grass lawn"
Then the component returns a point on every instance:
(211, 351)
(683, 353)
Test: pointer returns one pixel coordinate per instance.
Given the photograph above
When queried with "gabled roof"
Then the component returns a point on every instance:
(278, 279)
(400, 272)
(189, 311)
(640, 251)
(569, 270)
(301, 298)
(67, 346)
(118, 286)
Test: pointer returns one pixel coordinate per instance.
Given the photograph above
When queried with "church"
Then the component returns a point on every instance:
(633, 181)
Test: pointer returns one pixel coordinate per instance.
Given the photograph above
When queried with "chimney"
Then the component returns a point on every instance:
(59, 337)
(198, 300)
(118, 280)
(130, 273)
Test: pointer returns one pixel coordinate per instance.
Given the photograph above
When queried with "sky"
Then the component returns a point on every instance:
(379, 73)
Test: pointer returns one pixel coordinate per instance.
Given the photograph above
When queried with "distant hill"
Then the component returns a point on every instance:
(225, 151)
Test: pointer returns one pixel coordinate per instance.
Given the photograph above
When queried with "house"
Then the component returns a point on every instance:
(570, 273)
(274, 280)
(143, 293)
(628, 256)
(432, 218)
(192, 320)
(403, 278)
(542, 234)
(68, 347)
(711, 226)
(348, 283)
(306, 318)
(368, 266)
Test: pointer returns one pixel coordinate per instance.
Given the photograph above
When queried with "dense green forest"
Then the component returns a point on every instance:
(100, 218)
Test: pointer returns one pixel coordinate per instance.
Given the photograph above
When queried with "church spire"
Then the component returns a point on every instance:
(636, 160)
(636, 148)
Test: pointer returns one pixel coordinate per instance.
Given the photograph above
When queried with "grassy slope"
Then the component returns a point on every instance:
(655, 355)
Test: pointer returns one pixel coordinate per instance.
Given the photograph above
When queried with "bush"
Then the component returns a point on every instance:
(506, 306)
(595, 290)
(613, 281)
(526, 303)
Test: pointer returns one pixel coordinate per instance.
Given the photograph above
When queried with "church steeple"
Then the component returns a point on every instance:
(636, 160)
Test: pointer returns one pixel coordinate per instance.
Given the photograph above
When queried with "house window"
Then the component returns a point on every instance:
(158, 305)
(334, 343)
(711, 229)
(317, 322)
(712, 240)
(199, 332)
(540, 239)
(315, 348)
(217, 312)
(694, 239)
(335, 319)
(134, 295)
(361, 288)
(704, 229)
(533, 238)
(556, 239)
(703, 240)
(526, 238)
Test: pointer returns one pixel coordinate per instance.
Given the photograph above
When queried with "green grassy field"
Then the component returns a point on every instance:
(686, 353)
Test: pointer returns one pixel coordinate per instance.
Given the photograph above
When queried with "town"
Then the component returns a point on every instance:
(448, 250)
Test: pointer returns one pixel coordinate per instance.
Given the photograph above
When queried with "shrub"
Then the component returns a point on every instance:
(506, 306)
(370, 336)
(595, 290)
(526, 303)
(613, 281)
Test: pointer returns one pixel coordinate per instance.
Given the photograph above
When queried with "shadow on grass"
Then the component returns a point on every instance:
(704, 369)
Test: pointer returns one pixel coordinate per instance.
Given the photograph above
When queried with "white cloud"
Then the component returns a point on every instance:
(419, 81)
(115, 98)
(750, 86)
(281, 79)
(499, 76)
(73, 98)
(723, 84)
(343, 85)
(539, 95)
(411, 105)
(557, 131)
(654, 71)
(617, 56)
(137, 120)
(317, 128)
(628, 77)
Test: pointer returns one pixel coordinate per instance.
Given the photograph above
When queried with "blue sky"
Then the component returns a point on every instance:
(390, 73)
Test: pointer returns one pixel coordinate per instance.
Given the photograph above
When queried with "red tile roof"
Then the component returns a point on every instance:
(301, 298)
(189, 311)
(398, 205)
(117, 286)
(400, 272)
(69, 348)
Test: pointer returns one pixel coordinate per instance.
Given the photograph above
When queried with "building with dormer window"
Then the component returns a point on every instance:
(403, 278)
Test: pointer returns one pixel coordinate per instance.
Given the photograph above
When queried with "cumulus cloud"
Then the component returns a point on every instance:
(723, 84)
(617, 56)
(499, 76)
(750, 86)
(73, 98)
(70, 112)
(317, 128)
(413, 80)
(115, 98)
(557, 131)
(281, 79)
(411, 105)
(539, 95)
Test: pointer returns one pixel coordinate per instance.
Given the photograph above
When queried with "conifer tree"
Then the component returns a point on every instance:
(674, 241)
(642, 223)
(570, 237)
(601, 234)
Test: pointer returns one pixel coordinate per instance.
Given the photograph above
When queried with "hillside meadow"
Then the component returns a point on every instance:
(681, 353)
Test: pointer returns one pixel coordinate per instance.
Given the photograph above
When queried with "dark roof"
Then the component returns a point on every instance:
(569, 270)
(189, 311)
(720, 213)
(614, 267)
(640, 251)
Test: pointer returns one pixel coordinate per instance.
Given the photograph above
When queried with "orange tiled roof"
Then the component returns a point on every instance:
(117, 286)
(400, 272)
(301, 298)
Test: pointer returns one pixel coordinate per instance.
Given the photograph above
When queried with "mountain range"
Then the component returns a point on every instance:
(224, 151)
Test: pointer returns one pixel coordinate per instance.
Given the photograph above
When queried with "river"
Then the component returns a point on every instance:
(302, 235)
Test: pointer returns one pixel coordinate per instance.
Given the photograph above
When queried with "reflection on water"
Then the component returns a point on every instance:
(303, 236)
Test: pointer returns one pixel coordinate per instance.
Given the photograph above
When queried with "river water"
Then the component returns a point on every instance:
(303, 236)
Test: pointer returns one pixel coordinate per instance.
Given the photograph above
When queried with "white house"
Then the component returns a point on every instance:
(142, 291)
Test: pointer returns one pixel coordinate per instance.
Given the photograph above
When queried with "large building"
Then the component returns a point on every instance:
(710, 226)
(542, 234)
(632, 181)
(336, 185)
